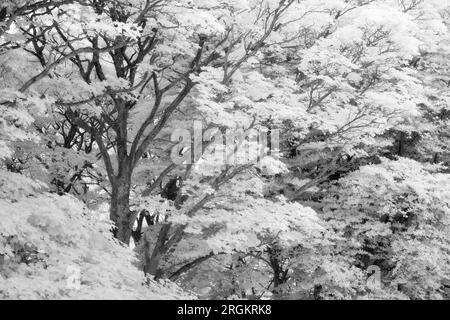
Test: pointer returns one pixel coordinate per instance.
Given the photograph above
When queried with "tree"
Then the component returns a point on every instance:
(139, 36)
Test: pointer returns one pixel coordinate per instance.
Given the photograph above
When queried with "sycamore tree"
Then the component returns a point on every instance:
(121, 69)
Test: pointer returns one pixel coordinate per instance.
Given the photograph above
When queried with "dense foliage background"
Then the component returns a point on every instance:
(345, 196)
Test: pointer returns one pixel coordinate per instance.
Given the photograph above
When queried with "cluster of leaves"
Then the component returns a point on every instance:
(52, 247)
(395, 215)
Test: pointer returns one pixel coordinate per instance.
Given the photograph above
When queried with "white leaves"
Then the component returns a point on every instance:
(324, 60)
(248, 225)
(401, 209)
(56, 233)
(83, 20)
(200, 21)
(337, 74)
(14, 186)
(271, 166)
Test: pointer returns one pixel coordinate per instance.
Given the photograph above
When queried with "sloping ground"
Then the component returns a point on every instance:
(51, 247)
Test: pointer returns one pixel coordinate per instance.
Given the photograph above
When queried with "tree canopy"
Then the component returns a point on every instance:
(262, 149)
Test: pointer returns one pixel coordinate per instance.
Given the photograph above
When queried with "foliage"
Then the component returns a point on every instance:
(46, 241)
(395, 215)
(314, 147)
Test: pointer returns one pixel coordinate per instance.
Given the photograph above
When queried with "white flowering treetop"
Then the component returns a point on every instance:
(221, 126)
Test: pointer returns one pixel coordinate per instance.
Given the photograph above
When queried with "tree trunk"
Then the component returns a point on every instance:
(401, 144)
(153, 255)
(120, 212)
(436, 158)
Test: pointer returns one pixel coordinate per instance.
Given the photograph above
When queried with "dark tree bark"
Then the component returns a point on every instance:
(401, 144)
(120, 212)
